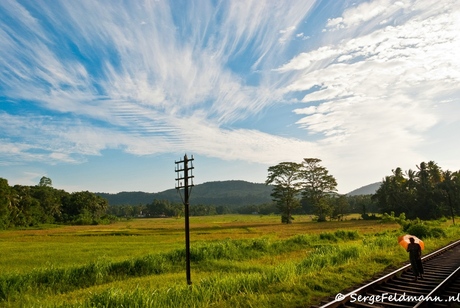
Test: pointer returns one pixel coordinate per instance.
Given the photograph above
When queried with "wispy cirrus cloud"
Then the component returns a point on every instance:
(134, 72)
(376, 92)
(371, 83)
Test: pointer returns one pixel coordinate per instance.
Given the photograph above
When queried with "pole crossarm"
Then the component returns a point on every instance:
(184, 178)
(179, 170)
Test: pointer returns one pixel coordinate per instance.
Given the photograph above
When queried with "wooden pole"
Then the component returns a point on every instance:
(187, 221)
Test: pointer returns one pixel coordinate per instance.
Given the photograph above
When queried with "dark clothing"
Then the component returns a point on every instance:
(415, 255)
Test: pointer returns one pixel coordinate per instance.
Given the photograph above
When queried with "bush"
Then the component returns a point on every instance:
(346, 235)
(422, 230)
(285, 219)
(328, 237)
(419, 230)
(401, 219)
(301, 239)
(437, 232)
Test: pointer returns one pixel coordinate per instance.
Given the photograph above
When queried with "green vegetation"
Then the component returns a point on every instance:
(232, 194)
(286, 179)
(429, 193)
(310, 180)
(25, 206)
(237, 261)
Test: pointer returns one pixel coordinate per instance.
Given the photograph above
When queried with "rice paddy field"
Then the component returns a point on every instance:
(236, 261)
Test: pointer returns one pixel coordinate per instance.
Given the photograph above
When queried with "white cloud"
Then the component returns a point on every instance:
(142, 79)
(149, 64)
(391, 66)
(152, 73)
(369, 14)
(249, 145)
(375, 93)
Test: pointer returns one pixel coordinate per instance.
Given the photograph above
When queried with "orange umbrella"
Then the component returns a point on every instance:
(404, 240)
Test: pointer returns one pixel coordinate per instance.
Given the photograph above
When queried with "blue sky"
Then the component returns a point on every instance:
(106, 95)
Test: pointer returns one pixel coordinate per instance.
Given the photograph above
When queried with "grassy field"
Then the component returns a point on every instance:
(237, 261)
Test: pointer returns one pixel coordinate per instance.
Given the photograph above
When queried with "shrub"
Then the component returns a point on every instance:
(422, 230)
(346, 235)
(437, 232)
(328, 237)
(401, 219)
(301, 239)
(442, 219)
(419, 230)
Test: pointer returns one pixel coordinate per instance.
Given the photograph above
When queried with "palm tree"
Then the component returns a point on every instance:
(451, 188)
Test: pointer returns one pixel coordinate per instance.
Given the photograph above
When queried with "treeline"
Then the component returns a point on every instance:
(25, 206)
(426, 193)
(166, 208)
(362, 204)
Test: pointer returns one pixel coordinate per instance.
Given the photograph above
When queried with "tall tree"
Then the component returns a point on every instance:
(428, 179)
(428, 193)
(84, 206)
(451, 192)
(50, 201)
(286, 181)
(45, 181)
(317, 186)
(397, 194)
(5, 203)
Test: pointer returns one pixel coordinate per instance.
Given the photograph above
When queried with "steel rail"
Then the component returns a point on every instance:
(438, 288)
(342, 300)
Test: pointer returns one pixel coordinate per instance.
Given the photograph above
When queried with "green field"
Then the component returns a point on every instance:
(237, 261)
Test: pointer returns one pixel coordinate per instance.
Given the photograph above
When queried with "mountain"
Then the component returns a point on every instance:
(365, 190)
(229, 193)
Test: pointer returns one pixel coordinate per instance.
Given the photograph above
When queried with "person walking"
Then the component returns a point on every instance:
(415, 257)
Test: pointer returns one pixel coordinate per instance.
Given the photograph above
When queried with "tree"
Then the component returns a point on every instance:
(340, 207)
(223, 209)
(286, 179)
(23, 206)
(317, 186)
(362, 204)
(397, 194)
(44, 181)
(451, 192)
(202, 210)
(428, 193)
(5, 203)
(159, 208)
(84, 207)
(50, 201)
(25, 209)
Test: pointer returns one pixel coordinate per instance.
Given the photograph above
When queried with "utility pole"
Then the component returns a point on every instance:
(182, 178)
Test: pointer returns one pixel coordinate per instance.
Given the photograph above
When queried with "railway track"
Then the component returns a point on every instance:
(440, 286)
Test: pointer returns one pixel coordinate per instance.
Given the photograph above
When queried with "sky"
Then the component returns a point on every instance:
(107, 95)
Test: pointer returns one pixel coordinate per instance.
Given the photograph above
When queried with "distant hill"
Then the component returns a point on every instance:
(229, 193)
(365, 190)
